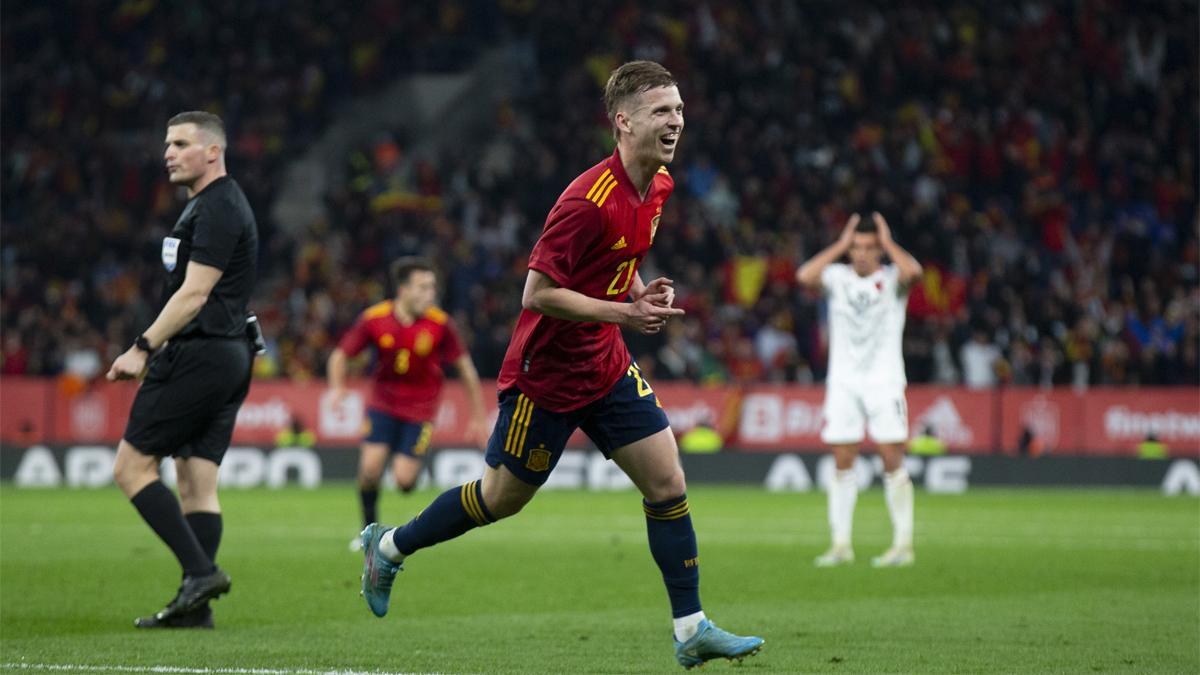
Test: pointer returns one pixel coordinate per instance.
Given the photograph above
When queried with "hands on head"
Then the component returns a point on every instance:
(885, 232)
(881, 227)
(848, 231)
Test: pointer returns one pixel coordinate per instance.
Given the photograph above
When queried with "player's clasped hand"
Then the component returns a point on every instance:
(650, 312)
(659, 286)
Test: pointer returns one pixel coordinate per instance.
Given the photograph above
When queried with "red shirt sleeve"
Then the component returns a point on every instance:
(572, 227)
(355, 338)
(451, 347)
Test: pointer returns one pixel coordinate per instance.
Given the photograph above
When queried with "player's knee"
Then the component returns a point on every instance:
(667, 486)
(892, 456)
(370, 470)
(508, 504)
(844, 457)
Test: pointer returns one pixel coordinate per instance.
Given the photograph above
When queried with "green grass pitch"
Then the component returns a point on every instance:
(1006, 581)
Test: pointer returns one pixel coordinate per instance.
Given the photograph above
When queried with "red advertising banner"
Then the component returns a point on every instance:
(1045, 420)
(762, 418)
(25, 409)
(1101, 421)
(1116, 420)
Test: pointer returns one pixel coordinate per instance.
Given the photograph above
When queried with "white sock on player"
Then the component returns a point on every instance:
(387, 546)
(898, 490)
(843, 494)
(686, 626)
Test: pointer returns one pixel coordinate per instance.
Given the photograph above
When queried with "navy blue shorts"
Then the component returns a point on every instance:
(401, 436)
(529, 440)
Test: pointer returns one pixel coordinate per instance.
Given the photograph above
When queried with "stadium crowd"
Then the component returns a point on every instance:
(1038, 159)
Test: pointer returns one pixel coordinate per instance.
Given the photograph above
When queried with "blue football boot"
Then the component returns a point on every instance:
(378, 572)
(711, 642)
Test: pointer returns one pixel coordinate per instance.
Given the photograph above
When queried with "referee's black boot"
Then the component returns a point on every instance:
(193, 595)
(197, 590)
(202, 617)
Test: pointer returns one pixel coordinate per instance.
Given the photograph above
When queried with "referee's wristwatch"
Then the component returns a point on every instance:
(143, 344)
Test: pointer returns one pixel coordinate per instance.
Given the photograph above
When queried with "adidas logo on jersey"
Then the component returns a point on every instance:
(620, 244)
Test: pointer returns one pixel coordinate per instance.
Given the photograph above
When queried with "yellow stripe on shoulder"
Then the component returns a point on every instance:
(663, 170)
(437, 315)
(597, 186)
(602, 196)
(378, 310)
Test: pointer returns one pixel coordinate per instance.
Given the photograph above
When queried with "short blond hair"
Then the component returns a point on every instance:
(632, 79)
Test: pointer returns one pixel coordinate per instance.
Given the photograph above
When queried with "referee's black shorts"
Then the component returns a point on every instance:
(188, 403)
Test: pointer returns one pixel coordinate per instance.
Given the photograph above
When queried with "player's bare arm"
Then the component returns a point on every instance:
(477, 427)
(181, 308)
(910, 270)
(647, 315)
(335, 372)
(809, 274)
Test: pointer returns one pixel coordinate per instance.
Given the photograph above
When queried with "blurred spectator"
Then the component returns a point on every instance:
(1039, 159)
(979, 360)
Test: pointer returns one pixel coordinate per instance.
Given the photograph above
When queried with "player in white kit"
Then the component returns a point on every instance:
(865, 384)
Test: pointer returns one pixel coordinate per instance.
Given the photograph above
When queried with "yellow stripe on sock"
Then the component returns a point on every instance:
(479, 503)
(471, 504)
(481, 519)
(466, 502)
(673, 513)
(477, 496)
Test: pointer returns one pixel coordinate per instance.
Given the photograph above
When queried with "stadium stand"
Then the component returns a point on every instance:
(1038, 159)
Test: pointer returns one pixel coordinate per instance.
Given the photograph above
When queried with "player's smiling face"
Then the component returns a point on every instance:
(656, 123)
(188, 154)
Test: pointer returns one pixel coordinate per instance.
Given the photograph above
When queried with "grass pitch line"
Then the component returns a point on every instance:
(181, 670)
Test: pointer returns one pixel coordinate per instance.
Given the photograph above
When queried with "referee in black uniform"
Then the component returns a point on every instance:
(199, 356)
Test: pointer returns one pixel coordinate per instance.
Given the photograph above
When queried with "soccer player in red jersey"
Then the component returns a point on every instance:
(413, 340)
(568, 368)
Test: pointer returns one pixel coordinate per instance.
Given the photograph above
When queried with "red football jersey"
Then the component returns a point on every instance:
(594, 239)
(408, 377)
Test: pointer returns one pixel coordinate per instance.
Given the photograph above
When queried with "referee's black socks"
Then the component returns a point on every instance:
(160, 509)
(207, 527)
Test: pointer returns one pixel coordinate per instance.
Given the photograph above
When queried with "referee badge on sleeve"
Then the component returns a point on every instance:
(170, 253)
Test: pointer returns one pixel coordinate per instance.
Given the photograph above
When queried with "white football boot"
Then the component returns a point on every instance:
(896, 556)
(838, 555)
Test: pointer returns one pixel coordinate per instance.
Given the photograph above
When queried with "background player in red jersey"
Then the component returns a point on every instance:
(413, 341)
(568, 368)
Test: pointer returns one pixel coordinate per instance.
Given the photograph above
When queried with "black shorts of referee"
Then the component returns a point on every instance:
(189, 400)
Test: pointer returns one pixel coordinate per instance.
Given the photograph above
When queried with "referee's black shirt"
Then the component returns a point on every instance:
(216, 228)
